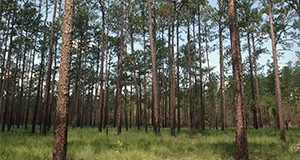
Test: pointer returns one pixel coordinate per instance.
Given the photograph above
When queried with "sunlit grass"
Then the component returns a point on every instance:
(89, 144)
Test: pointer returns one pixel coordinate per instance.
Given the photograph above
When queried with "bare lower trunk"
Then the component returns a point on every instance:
(61, 121)
(277, 80)
(253, 106)
(120, 63)
(241, 128)
(256, 84)
(154, 74)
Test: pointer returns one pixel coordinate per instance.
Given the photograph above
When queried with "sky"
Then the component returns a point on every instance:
(282, 61)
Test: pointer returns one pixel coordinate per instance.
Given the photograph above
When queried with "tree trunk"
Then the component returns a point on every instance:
(154, 74)
(178, 74)
(101, 107)
(125, 104)
(120, 63)
(276, 73)
(52, 89)
(40, 75)
(191, 110)
(49, 71)
(211, 90)
(241, 128)
(256, 84)
(4, 68)
(7, 77)
(171, 68)
(30, 73)
(21, 94)
(202, 98)
(61, 121)
(222, 76)
(107, 68)
(145, 100)
(252, 102)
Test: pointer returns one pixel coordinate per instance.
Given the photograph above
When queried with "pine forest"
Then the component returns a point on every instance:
(150, 79)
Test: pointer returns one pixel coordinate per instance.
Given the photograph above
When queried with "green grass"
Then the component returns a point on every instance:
(89, 144)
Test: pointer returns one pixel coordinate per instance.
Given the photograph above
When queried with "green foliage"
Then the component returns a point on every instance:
(89, 144)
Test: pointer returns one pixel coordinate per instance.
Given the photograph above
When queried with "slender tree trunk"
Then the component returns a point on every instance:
(211, 92)
(107, 75)
(171, 69)
(202, 98)
(13, 88)
(134, 69)
(49, 72)
(256, 84)
(131, 105)
(145, 100)
(191, 110)
(4, 68)
(154, 74)
(30, 85)
(21, 94)
(41, 75)
(253, 107)
(194, 65)
(61, 121)
(52, 89)
(7, 77)
(241, 128)
(101, 117)
(83, 95)
(276, 72)
(120, 64)
(222, 76)
(178, 74)
(125, 103)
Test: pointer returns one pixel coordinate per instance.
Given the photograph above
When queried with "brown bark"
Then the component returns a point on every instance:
(7, 78)
(120, 63)
(101, 108)
(211, 91)
(154, 74)
(222, 76)
(21, 93)
(52, 89)
(107, 75)
(61, 121)
(13, 87)
(171, 68)
(178, 74)
(145, 100)
(125, 104)
(253, 107)
(276, 74)
(30, 73)
(49, 72)
(134, 68)
(241, 128)
(39, 94)
(256, 84)
(191, 110)
(4, 68)
(202, 98)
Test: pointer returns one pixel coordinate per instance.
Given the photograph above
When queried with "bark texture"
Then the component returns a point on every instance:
(241, 128)
(276, 73)
(154, 74)
(61, 123)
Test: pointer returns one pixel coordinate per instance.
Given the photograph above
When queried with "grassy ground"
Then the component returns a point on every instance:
(89, 144)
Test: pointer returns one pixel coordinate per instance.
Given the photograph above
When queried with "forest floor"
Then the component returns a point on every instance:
(89, 144)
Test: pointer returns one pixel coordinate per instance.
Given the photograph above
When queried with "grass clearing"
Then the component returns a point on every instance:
(89, 144)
